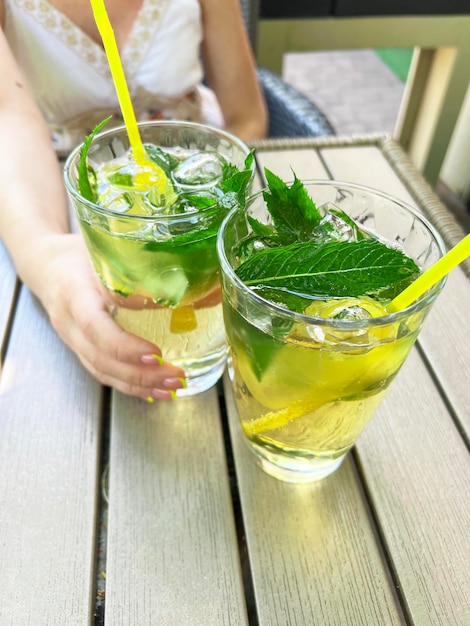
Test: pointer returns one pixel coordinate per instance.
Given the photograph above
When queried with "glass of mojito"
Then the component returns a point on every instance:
(307, 272)
(150, 227)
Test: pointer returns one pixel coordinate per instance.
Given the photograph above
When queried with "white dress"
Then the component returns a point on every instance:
(69, 75)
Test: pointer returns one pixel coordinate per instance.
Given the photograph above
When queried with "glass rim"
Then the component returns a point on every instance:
(340, 324)
(75, 154)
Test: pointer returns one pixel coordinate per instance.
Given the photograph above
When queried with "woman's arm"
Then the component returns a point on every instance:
(32, 196)
(230, 69)
(52, 262)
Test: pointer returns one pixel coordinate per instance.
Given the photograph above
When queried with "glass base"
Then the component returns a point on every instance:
(201, 379)
(293, 470)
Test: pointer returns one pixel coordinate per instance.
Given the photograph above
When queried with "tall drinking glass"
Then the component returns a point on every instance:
(306, 384)
(159, 267)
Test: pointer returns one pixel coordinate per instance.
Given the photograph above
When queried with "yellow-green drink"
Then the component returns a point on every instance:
(151, 238)
(312, 348)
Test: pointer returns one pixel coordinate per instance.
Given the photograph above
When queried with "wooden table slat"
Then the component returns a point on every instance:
(409, 454)
(365, 165)
(49, 449)
(445, 339)
(173, 556)
(306, 163)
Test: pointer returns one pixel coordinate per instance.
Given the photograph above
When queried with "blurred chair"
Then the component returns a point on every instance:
(291, 114)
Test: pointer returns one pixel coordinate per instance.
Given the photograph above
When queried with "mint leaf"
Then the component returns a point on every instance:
(265, 231)
(83, 182)
(121, 179)
(237, 181)
(293, 212)
(166, 161)
(332, 269)
(229, 170)
(199, 201)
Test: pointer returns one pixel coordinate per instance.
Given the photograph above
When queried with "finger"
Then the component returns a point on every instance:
(125, 363)
(122, 360)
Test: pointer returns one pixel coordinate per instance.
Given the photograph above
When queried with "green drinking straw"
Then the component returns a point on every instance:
(431, 276)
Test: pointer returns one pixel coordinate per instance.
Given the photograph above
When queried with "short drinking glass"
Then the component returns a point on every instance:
(160, 269)
(306, 384)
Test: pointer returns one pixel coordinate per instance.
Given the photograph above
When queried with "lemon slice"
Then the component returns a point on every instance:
(285, 379)
(278, 419)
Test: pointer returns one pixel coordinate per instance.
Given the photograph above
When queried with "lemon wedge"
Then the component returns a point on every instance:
(183, 319)
(278, 419)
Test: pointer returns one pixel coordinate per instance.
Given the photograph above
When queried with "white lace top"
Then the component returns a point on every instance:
(71, 81)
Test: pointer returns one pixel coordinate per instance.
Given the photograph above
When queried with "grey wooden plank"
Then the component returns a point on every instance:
(445, 340)
(49, 446)
(7, 290)
(305, 162)
(172, 548)
(449, 348)
(418, 470)
(313, 552)
(365, 165)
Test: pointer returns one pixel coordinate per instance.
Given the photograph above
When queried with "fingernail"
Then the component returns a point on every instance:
(150, 400)
(164, 394)
(151, 358)
(175, 383)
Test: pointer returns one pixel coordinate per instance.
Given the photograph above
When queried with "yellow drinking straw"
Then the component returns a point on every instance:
(431, 276)
(109, 42)
(150, 173)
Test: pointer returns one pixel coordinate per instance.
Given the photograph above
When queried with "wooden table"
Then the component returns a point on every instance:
(196, 533)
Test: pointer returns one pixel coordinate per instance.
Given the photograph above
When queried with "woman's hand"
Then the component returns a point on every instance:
(75, 301)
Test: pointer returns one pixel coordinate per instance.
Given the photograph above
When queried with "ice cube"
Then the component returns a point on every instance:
(349, 309)
(167, 286)
(352, 312)
(334, 227)
(202, 169)
(250, 246)
(118, 202)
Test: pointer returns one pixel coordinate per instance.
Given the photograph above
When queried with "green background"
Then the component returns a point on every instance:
(397, 59)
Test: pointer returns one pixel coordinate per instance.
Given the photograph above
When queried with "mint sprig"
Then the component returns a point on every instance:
(293, 212)
(301, 256)
(236, 182)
